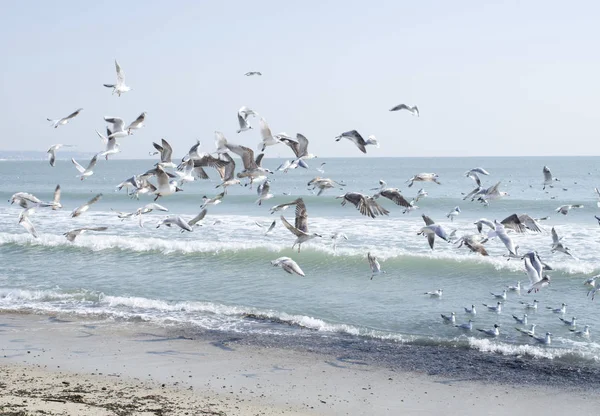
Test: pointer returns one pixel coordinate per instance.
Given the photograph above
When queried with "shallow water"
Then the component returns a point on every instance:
(219, 275)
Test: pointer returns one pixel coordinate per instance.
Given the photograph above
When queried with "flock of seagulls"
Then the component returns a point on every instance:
(166, 178)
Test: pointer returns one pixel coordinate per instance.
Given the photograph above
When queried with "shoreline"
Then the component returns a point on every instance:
(145, 367)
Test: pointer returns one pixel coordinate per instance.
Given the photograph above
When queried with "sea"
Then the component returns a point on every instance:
(219, 279)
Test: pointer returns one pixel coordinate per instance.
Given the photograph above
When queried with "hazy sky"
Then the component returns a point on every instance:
(502, 78)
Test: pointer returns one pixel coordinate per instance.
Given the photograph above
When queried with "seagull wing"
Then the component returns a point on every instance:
(167, 151)
(514, 223)
(555, 239)
(120, 74)
(80, 168)
(73, 114)
(290, 227)
(301, 221)
(395, 196)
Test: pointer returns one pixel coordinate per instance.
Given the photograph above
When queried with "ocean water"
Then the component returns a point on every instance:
(219, 277)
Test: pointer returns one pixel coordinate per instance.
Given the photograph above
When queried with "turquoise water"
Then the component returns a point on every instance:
(217, 275)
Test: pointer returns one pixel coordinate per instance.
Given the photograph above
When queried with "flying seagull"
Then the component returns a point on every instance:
(73, 234)
(358, 140)
(288, 265)
(374, 264)
(242, 116)
(548, 178)
(433, 230)
(300, 227)
(85, 172)
(118, 130)
(535, 272)
(414, 110)
(52, 152)
(557, 245)
(564, 209)
(263, 192)
(365, 204)
(64, 120)
(120, 87)
(424, 177)
(136, 124)
(251, 73)
(176, 220)
(83, 208)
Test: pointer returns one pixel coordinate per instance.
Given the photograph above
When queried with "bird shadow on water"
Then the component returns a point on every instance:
(346, 360)
(222, 344)
(159, 338)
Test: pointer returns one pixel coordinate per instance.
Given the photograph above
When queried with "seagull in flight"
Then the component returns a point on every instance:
(252, 73)
(548, 178)
(564, 209)
(414, 110)
(118, 129)
(64, 120)
(288, 265)
(374, 264)
(120, 87)
(136, 124)
(177, 221)
(52, 152)
(424, 177)
(453, 213)
(358, 140)
(263, 192)
(535, 272)
(500, 232)
(433, 230)
(366, 205)
(300, 227)
(83, 208)
(85, 172)
(73, 234)
(557, 245)
(242, 116)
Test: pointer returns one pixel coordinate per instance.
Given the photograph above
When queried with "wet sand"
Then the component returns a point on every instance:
(75, 367)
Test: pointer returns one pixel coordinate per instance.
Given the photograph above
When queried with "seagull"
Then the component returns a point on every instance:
(28, 225)
(251, 73)
(412, 110)
(283, 207)
(484, 221)
(112, 147)
(300, 227)
(516, 288)
(467, 326)
(471, 310)
(64, 120)
(166, 152)
(557, 245)
(83, 208)
(118, 127)
(535, 272)
(375, 267)
(548, 179)
(591, 282)
(501, 296)
(492, 308)
(85, 172)
(530, 331)
(424, 177)
(176, 220)
(153, 206)
(120, 87)
(598, 195)
(136, 124)
(533, 305)
(288, 265)
(55, 204)
(242, 115)
(435, 294)
(365, 204)
(450, 319)
(196, 220)
(597, 219)
(270, 227)
(24, 199)
(494, 332)
(491, 194)
(212, 201)
(474, 243)
(585, 333)
(544, 340)
(453, 213)
(320, 168)
(72, 235)
(52, 152)
(500, 232)
(227, 172)
(323, 184)
(477, 170)
(358, 140)
(252, 167)
(337, 236)
(394, 195)
(433, 230)
(562, 310)
(165, 185)
(572, 323)
(263, 192)
(520, 223)
(267, 137)
(564, 209)
(421, 194)
(299, 146)
(522, 321)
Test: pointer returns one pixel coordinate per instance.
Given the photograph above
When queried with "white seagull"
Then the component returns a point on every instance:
(572, 323)
(562, 310)
(522, 321)
(450, 319)
(548, 178)
(467, 326)
(64, 120)
(557, 245)
(492, 308)
(85, 172)
(300, 227)
(177, 221)
(358, 140)
(535, 272)
(424, 177)
(530, 331)
(118, 127)
(435, 294)
(374, 264)
(543, 340)
(585, 333)
(263, 192)
(52, 152)
(453, 213)
(242, 115)
(136, 124)
(83, 208)
(288, 265)
(471, 310)
(494, 332)
(72, 235)
(120, 87)
(533, 305)
(564, 209)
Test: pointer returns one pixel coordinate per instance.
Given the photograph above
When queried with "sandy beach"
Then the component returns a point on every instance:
(62, 367)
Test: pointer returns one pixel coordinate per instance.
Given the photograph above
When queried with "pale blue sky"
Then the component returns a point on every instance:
(490, 78)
